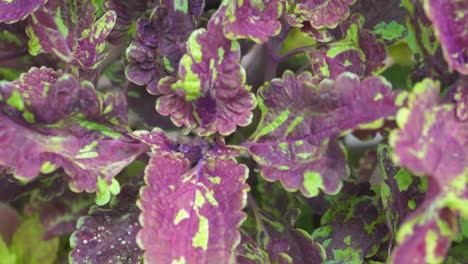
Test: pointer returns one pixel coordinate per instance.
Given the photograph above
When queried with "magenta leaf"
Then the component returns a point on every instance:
(210, 93)
(14, 10)
(296, 140)
(425, 236)
(429, 230)
(445, 159)
(191, 214)
(108, 235)
(449, 20)
(50, 120)
(255, 20)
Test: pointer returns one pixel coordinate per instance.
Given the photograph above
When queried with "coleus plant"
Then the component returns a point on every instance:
(176, 131)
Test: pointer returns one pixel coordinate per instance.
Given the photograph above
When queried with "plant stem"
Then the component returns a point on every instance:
(272, 48)
(295, 52)
(14, 55)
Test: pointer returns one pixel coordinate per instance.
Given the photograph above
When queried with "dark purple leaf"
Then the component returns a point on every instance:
(352, 229)
(108, 235)
(400, 191)
(158, 46)
(59, 215)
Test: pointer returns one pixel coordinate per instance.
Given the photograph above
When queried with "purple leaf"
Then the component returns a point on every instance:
(449, 20)
(296, 140)
(44, 188)
(210, 93)
(426, 234)
(127, 14)
(49, 120)
(429, 230)
(424, 119)
(358, 52)
(191, 214)
(52, 30)
(14, 10)
(159, 44)
(249, 252)
(11, 189)
(90, 46)
(255, 20)
(56, 29)
(108, 235)
(319, 13)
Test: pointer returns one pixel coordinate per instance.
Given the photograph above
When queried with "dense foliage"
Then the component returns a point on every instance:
(244, 131)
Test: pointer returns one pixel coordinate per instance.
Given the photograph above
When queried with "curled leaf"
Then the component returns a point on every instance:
(158, 47)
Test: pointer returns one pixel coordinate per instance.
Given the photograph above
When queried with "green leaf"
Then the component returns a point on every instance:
(390, 31)
(6, 255)
(29, 246)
